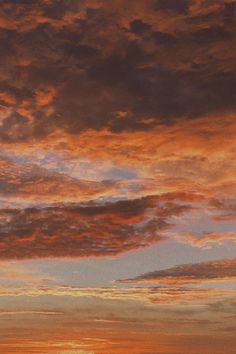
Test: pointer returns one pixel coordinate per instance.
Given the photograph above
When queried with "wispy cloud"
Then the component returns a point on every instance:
(206, 239)
(29, 312)
(218, 270)
(153, 295)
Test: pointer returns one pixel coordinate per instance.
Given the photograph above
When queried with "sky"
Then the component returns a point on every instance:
(117, 176)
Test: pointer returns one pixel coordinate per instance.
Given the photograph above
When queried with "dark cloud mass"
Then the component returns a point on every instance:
(73, 65)
(84, 230)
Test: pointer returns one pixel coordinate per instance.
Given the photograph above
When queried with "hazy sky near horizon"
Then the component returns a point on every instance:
(117, 176)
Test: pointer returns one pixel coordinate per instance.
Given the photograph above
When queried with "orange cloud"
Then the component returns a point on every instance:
(206, 239)
(200, 153)
(29, 312)
(44, 96)
(83, 230)
(219, 270)
(11, 272)
(155, 295)
(33, 183)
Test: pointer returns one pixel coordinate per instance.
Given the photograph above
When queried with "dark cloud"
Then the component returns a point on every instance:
(139, 27)
(178, 6)
(104, 58)
(164, 38)
(211, 34)
(225, 209)
(56, 9)
(84, 230)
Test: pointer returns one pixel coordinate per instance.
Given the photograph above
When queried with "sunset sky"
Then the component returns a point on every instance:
(117, 176)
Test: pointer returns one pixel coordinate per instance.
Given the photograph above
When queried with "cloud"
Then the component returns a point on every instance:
(219, 270)
(206, 239)
(59, 74)
(188, 147)
(17, 273)
(28, 181)
(225, 208)
(83, 230)
(154, 295)
(200, 154)
(29, 312)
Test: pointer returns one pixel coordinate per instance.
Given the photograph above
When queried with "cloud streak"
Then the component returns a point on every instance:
(206, 239)
(153, 295)
(219, 270)
(28, 312)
